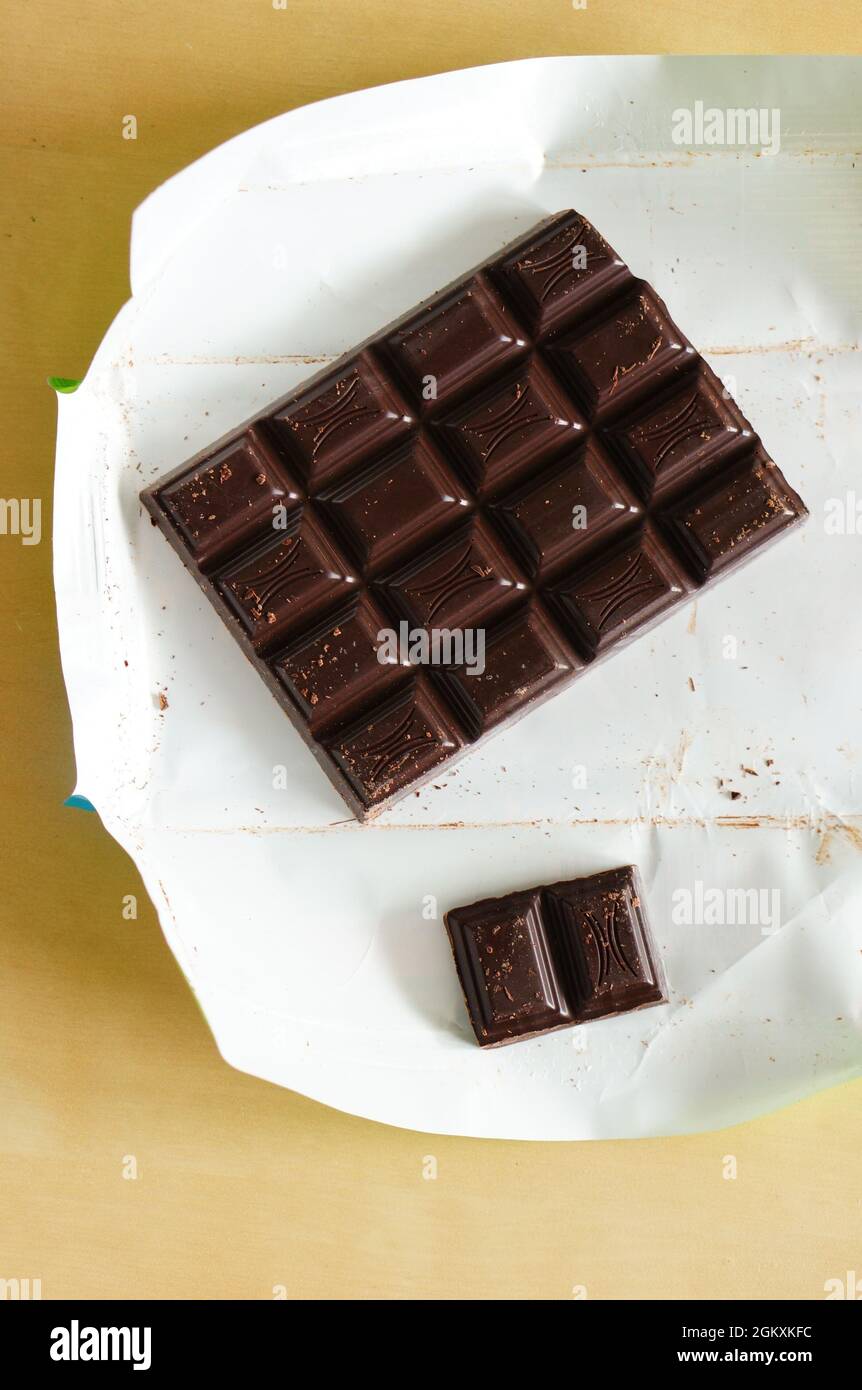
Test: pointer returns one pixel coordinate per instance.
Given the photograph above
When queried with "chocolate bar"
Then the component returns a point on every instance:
(535, 458)
(548, 958)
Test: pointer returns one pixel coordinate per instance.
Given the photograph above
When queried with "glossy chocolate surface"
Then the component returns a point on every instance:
(536, 453)
(548, 958)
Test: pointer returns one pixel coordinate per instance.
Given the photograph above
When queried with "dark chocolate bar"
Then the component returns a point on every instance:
(548, 958)
(536, 456)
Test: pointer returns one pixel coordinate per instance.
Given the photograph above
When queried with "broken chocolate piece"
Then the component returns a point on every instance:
(548, 958)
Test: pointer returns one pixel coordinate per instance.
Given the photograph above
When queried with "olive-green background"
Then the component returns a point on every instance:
(103, 1054)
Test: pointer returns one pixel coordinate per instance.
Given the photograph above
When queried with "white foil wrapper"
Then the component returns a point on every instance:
(316, 946)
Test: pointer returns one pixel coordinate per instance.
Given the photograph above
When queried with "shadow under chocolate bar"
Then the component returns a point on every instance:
(536, 453)
(548, 958)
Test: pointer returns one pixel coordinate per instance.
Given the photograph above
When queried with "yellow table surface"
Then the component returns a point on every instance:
(242, 1188)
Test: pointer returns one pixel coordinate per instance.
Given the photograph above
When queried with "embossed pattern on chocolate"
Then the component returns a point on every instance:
(532, 962)
(536, 453)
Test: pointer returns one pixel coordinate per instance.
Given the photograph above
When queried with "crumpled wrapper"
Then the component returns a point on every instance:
(721, 752)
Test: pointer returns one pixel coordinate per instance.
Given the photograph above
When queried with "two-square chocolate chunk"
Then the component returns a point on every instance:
(548, 958)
